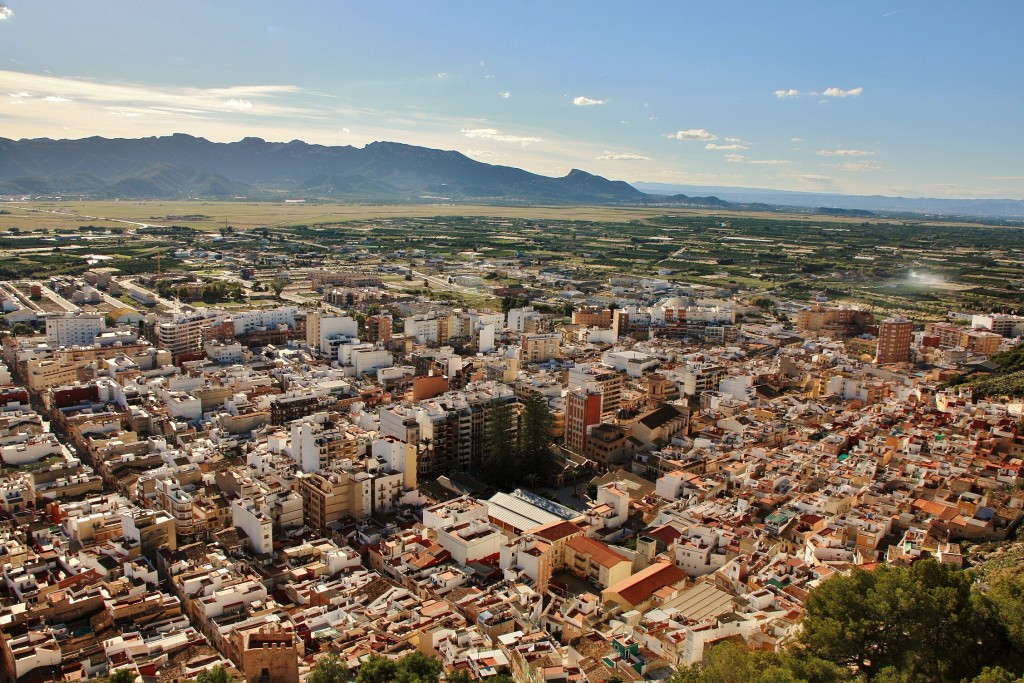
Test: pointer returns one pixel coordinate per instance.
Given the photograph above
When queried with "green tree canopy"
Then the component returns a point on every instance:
(329, 669)
(122, 676)
(499, 447)
(377, 669)
(535, 450)
(417, 667)
(732, 662)
(218, 674)
(921, 621)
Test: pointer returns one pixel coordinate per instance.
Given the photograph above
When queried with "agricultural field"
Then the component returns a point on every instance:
(920, 268)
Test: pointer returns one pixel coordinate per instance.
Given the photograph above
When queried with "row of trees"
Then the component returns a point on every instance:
(214, 292)
(523, 453)
(924, 623)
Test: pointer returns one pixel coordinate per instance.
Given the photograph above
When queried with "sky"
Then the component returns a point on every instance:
(911, 98)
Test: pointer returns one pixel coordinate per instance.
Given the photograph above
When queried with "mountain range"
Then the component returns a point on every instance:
(182, 166)
(779, 199)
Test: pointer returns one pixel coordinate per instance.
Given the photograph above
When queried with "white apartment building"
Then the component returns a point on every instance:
(321, 328)
(428, 328)
(74, 329)
(257, 526)
(268, 319)
(471, 541)
(523, 320)
(223, 354)
(367, 360)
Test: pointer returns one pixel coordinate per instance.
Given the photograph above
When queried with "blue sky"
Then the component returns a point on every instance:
(909, 98)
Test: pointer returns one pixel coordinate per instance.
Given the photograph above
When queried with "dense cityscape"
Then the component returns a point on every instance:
(345, 459)
(543, 342)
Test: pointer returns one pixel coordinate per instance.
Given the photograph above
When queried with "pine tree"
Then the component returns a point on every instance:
(499, 448)
(535, 447)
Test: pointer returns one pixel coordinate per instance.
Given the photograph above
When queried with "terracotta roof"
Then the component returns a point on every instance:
(641, 586)
(664, 533)
(553, 531)
(599, 552)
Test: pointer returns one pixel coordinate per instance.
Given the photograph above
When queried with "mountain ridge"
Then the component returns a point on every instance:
(803, 200)
(185, 166)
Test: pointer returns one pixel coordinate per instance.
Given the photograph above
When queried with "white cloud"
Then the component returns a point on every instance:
(19, 94)
(622, 156)
(742, 159)
(793, 93)
(480, 153)
(498, 136)
(735, 145)
(164, 100)
(125, 114)
(735, 140)
(844, 153)
(6, 13)
(582, 101)
(858, 166)
(505, 95)
(693, 134)
(796, 140)
(443, 74)
(839, 92)
(345, 130)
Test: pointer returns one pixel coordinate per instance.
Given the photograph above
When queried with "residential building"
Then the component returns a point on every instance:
(74, 329)
(895, 336)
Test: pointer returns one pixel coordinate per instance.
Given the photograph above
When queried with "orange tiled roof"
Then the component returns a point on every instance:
(601, 553)
(642, 585)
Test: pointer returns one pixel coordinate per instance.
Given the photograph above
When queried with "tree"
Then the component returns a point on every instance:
(329, 669)
(731, 662)
(122, 676)
(277, 286)
(499, 447)
(1003, 605)
(996, 674)
(918, 620)
(417, 667)
(377, 669)
(218, 674)
(535, 440)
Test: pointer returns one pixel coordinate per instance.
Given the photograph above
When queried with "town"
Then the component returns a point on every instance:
(480, 459)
